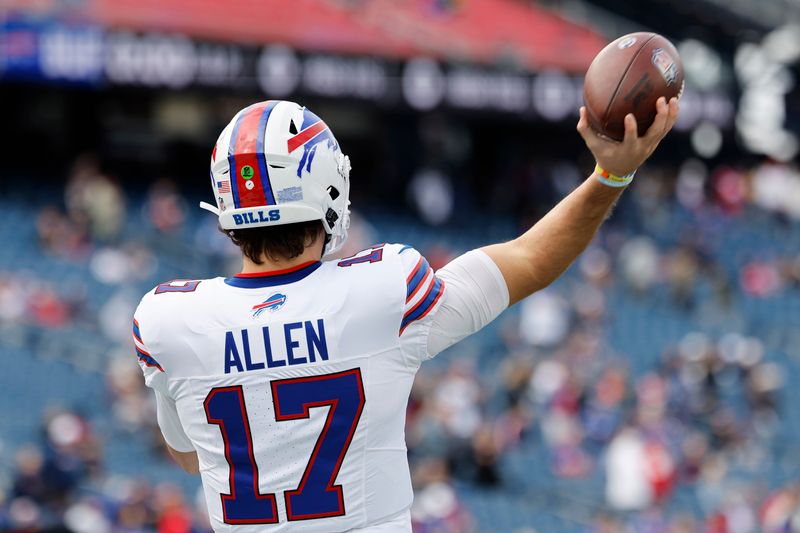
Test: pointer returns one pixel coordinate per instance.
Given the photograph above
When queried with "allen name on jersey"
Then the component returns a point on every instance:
(295, 343)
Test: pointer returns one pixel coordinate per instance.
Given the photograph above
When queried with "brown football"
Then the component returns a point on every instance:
(628, 76)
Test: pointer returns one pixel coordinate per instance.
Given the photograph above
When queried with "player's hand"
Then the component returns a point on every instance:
(622, 158)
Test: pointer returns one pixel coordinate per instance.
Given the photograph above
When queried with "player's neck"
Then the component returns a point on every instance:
(268, 264)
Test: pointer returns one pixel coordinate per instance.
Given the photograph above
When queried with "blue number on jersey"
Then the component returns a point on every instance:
(244, 504)
(370, 255)
(316, 496)
(343, 392)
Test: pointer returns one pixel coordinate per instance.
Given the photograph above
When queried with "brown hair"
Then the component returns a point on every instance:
(276, 242)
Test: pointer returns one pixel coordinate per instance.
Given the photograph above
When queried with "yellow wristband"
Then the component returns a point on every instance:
(607, 178)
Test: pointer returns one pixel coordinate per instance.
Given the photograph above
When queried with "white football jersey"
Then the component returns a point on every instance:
(292, 386)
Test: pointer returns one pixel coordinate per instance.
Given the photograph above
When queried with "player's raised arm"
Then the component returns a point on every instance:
(539, 256)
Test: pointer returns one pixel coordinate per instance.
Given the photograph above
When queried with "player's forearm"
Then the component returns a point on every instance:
(539, 256)
(536, 259)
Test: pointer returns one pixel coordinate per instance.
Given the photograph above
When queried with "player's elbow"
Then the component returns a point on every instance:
(525, 271)
(186, 460)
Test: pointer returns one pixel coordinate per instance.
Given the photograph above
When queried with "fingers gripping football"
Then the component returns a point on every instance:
(621, 158)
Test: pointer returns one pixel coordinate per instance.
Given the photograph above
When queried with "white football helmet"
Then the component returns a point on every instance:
(279, 163)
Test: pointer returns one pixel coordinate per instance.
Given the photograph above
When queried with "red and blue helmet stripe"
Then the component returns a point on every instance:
(312, 132)
(246, 149)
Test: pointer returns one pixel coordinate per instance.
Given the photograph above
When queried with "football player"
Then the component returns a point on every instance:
(285, 386)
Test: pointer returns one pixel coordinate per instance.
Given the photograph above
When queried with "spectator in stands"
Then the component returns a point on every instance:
(30, 480)
(165, 207)
(627, 485)
(173, 515)
(92, 196)
(47, 309)
(13, 299)
(639, 260)
(62, 236)
(436, 508)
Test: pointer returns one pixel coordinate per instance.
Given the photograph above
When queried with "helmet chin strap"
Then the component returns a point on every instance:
(209, 207)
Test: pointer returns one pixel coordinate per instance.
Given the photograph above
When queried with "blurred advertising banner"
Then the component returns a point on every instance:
(54, 52)
(51, 51)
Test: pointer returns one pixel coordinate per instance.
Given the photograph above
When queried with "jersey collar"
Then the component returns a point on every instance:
(273, 278)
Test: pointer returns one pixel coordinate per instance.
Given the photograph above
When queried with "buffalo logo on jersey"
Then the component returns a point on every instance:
(273, 303)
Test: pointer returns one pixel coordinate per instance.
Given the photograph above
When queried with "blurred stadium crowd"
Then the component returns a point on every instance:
(648, 390)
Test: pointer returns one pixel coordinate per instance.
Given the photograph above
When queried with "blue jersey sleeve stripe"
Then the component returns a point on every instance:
(137, 334)
(425, 305)
(416, 276)
(147, 359)
(426, 301)
(426, 280)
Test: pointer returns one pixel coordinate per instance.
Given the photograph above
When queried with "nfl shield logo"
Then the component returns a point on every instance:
(665, 65)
